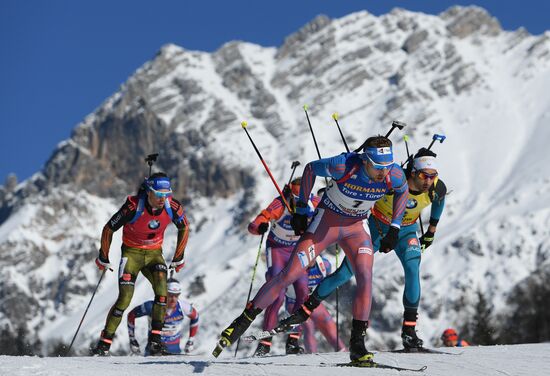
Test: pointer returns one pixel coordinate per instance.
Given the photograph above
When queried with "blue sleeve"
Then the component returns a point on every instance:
(437, 208)
(145, 309)
(333, 167)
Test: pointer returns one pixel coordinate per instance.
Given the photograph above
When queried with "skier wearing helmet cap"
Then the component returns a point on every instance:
(280, 243)
(176, 309)
(450, 339)
(144, 219)
(358, 180)
(425, 188)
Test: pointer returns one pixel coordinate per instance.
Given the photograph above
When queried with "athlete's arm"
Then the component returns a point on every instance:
(401, 192)
(180, 220)
(438, 203)
(273, 212)
(191, 312)
(144, 309)
(333, 167)
(119, 219)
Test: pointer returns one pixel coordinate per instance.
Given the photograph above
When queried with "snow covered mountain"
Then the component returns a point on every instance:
(457, 73)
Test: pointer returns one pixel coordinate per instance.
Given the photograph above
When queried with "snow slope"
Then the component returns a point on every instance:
(528, 360)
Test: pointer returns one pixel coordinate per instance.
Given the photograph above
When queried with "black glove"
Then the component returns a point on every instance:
(427, 239)
(263, 227)
(286, 191)
(298, 222)
(388, 242)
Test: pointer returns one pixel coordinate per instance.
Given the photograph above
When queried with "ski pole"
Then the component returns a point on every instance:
(244, 124)
(151, 159)
(335, 117)
(311, 130)
(437, 137)
(395, 124)
(326, 183)
(86, 311)
(314, 139)
(293, 167)
(251, 282)
(337, 309)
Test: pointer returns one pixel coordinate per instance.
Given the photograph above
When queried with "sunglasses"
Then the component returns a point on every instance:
(160, 194)
(379, 166)
(424, 175)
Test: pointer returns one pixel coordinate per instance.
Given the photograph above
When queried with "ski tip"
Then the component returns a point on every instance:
(244, 124)
(406, 138)
(305, 107)
(335, 115)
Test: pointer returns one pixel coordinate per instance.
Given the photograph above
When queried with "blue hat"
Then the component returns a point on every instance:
(378, 154)
(159, 183)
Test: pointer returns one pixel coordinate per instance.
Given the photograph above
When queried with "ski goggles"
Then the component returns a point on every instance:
(160, 194)
(424, 175)
(379, 166)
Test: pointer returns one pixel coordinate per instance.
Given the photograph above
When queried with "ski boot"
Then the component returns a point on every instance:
(409, 337)
(103, 345)
(155, 347)
(292, 346)
(358, 353)
(302, 314)
(236, 328)
(408, 331)
(263, 347)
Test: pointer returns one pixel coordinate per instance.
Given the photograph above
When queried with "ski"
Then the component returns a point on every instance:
(267, 333)
(373, 364)
(368, 364)
(423, 350)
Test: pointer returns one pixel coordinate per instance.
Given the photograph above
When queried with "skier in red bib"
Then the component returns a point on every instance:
(144, 219)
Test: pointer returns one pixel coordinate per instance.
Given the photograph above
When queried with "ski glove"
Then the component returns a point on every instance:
(134, 346)
(388, 242)
(286, 191)
(177, 265)
(263, 227)
(189, 346)
(102, 263)
(426, 239)
(298, 222)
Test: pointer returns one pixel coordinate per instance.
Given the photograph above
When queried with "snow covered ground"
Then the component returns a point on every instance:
(529, 359)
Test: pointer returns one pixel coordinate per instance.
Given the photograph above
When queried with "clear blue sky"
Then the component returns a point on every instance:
(60, 59)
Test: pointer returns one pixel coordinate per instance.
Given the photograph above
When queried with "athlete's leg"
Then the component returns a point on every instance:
(155, 271)
(279, 258)
(131, 262)
(409, 253)
(310, 343)
(318, 236)
(335, 280)
(356, 242)
(326, 325)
